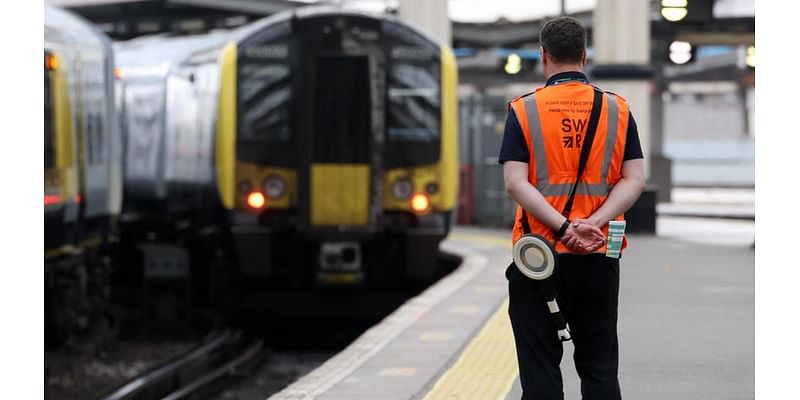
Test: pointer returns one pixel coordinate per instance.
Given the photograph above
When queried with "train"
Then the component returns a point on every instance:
(304, 163)
(325, 139)
(82, 171)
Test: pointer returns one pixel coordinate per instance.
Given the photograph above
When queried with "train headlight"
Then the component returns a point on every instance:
(420, 202)
(275, 187)
(245, 187)
(432, 188)
(402, 188)
(256, 200)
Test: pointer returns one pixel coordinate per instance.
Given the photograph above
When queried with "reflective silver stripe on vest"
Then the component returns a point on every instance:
(542, 173)
(537, 140)
(611, 136)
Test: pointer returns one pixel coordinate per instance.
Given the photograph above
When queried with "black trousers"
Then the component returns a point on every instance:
(588, 293)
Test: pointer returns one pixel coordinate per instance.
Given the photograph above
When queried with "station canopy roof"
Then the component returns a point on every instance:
(466, 11)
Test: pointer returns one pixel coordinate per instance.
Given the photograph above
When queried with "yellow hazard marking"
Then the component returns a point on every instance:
(487, 367)
(398, 371)
(482, 239)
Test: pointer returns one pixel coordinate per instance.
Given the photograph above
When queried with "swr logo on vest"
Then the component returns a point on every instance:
(569, 125)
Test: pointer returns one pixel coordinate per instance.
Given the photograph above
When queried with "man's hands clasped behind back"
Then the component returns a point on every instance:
(583, 237)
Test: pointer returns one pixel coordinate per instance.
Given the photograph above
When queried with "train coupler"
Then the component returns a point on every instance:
(340, 264)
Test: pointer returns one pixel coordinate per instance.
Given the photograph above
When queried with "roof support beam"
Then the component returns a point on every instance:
(264, 7)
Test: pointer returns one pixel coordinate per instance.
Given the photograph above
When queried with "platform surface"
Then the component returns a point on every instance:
(686, 323)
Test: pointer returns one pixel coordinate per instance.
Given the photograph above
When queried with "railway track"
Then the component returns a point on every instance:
(198, 373)
(216, 364)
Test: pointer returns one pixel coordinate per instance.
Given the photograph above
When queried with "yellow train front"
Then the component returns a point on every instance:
(336, 150)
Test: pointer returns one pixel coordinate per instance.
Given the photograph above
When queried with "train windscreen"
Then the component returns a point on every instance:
(266, 100)
(413, 98)
(414, 104)
(265, 91)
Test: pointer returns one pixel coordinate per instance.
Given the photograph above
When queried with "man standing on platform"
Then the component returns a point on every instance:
(540, 155)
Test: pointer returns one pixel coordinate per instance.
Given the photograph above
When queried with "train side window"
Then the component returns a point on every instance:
(414, 103)
(94, 103)
(49, 128)
(264, 100)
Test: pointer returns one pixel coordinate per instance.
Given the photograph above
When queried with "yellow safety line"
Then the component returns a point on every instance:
(483, 239)
(487, 367)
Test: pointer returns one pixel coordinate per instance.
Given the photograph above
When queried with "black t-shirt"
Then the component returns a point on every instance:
(515, 149)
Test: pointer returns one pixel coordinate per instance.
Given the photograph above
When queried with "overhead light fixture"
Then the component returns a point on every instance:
(680, 52)
(750, 57)
(513, 64)
(674, 10)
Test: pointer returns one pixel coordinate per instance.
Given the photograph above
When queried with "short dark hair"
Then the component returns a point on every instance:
(564, 38)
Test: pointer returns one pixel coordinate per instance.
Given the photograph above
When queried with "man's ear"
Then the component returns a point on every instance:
(585, 57)
(543, 55)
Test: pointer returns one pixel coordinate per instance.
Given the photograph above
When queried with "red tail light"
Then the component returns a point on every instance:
(50, 199)
(420, 202)
(256, 200)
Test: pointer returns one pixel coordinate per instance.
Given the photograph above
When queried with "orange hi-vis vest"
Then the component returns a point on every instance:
(554, 121)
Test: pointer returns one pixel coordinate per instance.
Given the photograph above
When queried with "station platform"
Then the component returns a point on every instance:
(687, 330)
